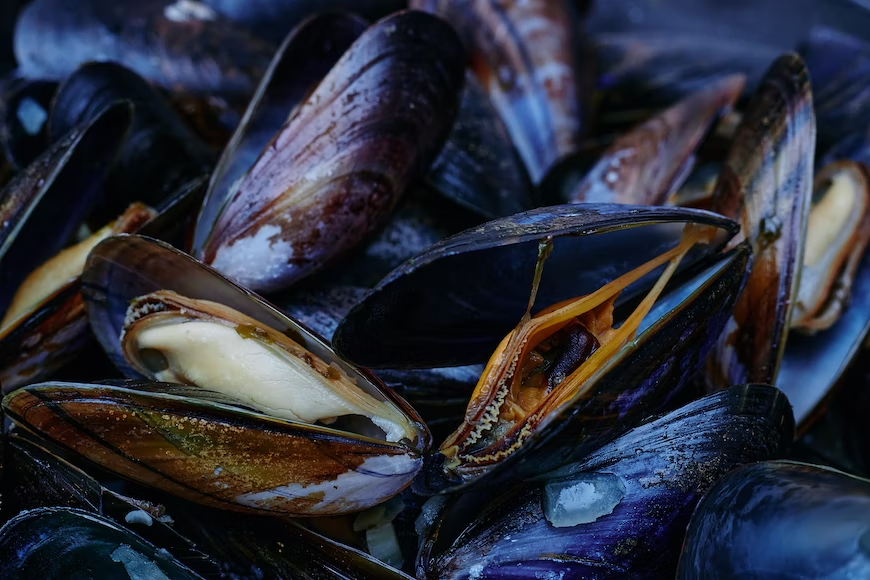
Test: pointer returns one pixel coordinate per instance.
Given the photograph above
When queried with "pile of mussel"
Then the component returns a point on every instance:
(458, 289)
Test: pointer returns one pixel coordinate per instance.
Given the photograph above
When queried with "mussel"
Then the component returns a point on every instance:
(233, 439)
(780, 519)
(622, 511)
(562, 380)
(339, 163)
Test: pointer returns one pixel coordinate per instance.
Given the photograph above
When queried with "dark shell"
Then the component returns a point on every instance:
(473, 288)
(42, 207)
(479, 168)
(640, 70)
(767, 184)
(74, 544)
(335, 170)
(177, 45)
(24, 107)
(523, 54)
(780, 520)
(271, 19)
(650, 162)
(839, 66)
(303, 59)
(663, 466)
(160, 154)
(640, 380)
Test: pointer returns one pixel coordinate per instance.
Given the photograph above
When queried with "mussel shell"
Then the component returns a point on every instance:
(767, 184)
(56, 331)
(335, 170)
(665, 466)
(160, 155)
(307, 54)
(780, 519)
(479, 167)
(839, 66)
(472, 288)
(152, 37)
(639, 381)
(42, 207)
(813, 365)
(523, 53)
(641, 70)
(24, 107)
(38, 477)
(213, 453)
(74, 544)
(651, 161)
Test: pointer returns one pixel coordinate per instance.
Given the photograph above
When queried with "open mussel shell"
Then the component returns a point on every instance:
(832, 315)
(54, 329)
(766, 183)
(152, 37)
(780, 519)
(307, 54)
(523, 54)
(160, 155)
(639, 380)
(70, 543)
(479, 167)
(43, 206)
(453, 304)
(24, 107)
(623, 510)
(334, 171)
(651, 161)
(125, 267)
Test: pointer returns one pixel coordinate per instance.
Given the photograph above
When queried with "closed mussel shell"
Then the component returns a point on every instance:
(652, 160)
(125, 267)
(334, 171)
(178, 45)
(479, 167)
(766, 183)
(70, 543)
(622, 511)
(303, 59)
(780, 519)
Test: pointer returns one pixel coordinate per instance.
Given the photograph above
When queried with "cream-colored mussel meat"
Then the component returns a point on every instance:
(173, 338)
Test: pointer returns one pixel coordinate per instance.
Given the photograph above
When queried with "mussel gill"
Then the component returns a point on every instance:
(550, 359)
(170, 337)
